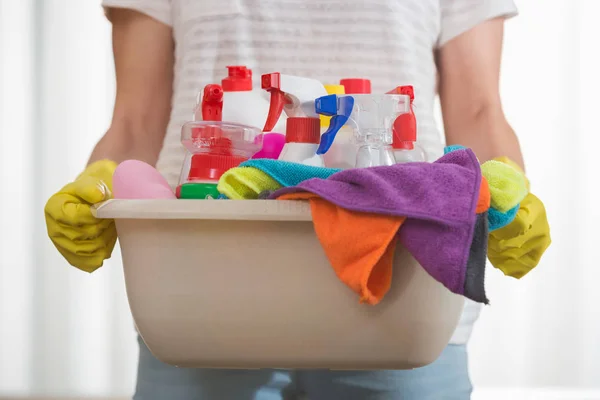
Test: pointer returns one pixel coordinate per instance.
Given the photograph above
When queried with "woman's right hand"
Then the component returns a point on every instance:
(83, 240)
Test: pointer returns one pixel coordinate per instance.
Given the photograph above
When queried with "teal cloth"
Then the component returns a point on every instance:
(454, 147)
(497, 219)
(288, 173)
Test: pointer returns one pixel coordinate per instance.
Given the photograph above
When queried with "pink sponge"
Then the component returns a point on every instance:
(135, 179)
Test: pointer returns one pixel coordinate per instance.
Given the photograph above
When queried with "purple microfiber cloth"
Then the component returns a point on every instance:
(438, 199)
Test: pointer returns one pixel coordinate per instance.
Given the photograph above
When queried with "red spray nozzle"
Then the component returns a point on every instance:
(407, 90)
(212, 103)
(271, 83)
(239, 79)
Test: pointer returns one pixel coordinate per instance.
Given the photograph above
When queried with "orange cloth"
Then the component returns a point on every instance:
(485, 198)
(366, 265)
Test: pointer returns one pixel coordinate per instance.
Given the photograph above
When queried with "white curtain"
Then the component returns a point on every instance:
(64, 332)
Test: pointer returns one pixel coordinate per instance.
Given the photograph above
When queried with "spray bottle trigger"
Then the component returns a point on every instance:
(340, 108)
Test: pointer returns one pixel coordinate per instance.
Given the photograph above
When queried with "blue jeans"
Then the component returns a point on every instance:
(447, 378)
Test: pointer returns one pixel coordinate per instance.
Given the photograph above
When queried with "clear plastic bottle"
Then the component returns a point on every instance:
(212, 149)
(371, 117)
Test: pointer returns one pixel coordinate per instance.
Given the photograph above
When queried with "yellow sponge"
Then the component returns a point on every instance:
(508, 186)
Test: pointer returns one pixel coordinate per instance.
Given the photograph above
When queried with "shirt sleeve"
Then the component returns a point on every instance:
(459, 16)
(160, 10)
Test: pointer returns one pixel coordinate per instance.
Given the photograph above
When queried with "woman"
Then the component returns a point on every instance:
(166, 50)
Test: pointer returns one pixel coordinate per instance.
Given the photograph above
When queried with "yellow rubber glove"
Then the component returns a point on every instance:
(518, 247)
(84, 241)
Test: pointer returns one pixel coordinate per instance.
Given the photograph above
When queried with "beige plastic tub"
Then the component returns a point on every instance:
(246, 284)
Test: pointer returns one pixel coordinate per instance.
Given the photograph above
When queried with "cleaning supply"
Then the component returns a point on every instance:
(246, 183)
(356, 85)
(296, 96)
(439, 201)
(84, 241)
(518, 247)
(371, 117)
(240, 104)
(404, 130)
(330, 89)
(504, 176)
(252, 178)
(211, 104)
(342, 153)
(134, 179)
(499, 219)
(366, 265)
(507, 185)
(287, 173)
(272, 145)
(213, 148)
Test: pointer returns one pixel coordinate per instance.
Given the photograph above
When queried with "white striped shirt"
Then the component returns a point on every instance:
(391, 42)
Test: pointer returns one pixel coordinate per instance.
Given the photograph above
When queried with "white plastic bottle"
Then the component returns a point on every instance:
(296, 96)
(241, 103)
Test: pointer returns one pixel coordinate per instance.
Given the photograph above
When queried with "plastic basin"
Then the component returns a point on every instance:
(246, 284)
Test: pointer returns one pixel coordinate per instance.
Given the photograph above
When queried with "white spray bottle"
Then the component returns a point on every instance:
(296, 96)
(371, 116)
(241, 104)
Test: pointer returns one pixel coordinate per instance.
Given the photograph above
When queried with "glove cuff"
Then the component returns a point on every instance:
(101, 169)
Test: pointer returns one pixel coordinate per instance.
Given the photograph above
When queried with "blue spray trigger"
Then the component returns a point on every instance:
(327, 105)
(340, 109)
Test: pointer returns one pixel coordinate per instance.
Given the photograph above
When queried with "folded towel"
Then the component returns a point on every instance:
(366, 265)
(438, 199)
(507, 184)
(499, 219)
(518, 247)
(245, 183)
(288, 173)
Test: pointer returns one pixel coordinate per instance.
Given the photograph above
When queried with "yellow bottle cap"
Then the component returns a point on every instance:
(331, 89)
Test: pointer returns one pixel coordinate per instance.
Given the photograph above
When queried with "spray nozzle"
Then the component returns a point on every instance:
(212, 103)
(293, 94)
(340, 109)
(407, 90)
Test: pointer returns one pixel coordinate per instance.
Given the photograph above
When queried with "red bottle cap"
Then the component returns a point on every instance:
(303, 130)
(238, 80)
(356, 85)
(210, 167)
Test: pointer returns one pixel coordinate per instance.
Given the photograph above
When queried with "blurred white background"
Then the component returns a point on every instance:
(64, 332)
